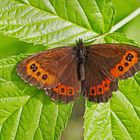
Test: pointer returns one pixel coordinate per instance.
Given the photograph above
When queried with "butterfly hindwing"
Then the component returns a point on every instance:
(68, 87)
(97, 86)
(51, 69)
(105, 63)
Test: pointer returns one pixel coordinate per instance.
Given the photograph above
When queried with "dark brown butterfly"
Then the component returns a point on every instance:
(93, 70)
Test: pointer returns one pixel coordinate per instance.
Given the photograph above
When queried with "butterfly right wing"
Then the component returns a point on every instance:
(105, 64)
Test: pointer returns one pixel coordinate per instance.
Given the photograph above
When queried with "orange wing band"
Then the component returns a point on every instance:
(100, 89)
(129, 59)
(65, 90)
(33, 69)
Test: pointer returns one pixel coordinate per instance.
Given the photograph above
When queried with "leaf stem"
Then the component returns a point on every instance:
(125, 20)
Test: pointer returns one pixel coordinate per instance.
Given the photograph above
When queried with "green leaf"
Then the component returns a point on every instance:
(26, 112)
(55, 22)
(120, 117)
(87, 11)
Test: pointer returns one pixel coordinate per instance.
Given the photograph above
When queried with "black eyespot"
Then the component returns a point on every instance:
(92, 91)
(62, 90)
(105, 85)
(126, 64)
(32, 66)
(70, 91)
(100, 89)
(130, 55)
(34, 69)
(38, 73)
(44, 77)
(128, 58)
(120, 68)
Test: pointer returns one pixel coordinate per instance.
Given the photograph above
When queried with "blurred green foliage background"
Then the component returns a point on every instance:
(11, 46)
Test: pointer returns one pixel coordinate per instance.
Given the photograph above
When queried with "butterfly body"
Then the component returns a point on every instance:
(93, 70)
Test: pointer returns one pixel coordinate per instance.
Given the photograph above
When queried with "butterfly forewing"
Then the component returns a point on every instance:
(54, 70)
(121, 61)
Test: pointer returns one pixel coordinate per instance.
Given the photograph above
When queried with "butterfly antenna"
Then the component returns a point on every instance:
(79, 42)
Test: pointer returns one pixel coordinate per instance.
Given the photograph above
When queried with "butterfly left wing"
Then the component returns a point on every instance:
(105, 63)
(53, 70)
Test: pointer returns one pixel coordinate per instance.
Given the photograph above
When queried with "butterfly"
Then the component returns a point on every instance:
(93, 70)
